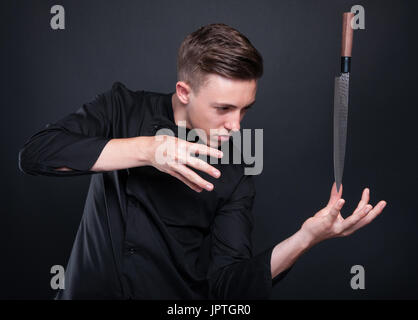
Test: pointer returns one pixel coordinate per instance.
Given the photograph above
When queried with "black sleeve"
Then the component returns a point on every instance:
(74, 141)
(234, 272)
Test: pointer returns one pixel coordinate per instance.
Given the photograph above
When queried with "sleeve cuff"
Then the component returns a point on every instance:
(85, 153)
(80, 156)
(265, 263)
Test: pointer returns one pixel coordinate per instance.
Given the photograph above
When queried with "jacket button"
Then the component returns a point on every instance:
(131, 250)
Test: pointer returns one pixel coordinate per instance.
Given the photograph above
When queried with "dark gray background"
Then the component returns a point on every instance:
(47, 74)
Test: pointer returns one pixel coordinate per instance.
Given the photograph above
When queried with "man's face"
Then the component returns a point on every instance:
(219, 106)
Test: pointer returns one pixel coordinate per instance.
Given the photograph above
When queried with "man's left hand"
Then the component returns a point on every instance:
(328, 222)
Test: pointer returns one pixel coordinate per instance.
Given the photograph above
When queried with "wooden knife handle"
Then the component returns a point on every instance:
(347, 39)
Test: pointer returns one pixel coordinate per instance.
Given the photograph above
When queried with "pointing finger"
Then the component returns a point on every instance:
(364, 199)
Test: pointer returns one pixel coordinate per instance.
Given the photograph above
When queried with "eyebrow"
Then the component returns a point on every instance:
(231, 105)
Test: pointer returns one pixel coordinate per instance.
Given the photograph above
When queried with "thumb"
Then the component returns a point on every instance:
(334, 196)
(335, 209)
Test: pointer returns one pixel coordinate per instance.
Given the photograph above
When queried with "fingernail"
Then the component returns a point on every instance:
(221, 154)
(216, 173)
(209, 186)
(384, 205)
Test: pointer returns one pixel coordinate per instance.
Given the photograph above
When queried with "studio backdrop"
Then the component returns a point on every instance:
(48, 72)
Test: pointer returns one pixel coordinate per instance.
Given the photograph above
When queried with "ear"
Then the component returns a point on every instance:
(183, 91)
(334, 196)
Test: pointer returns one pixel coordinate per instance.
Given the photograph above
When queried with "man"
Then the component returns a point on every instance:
(148, 230)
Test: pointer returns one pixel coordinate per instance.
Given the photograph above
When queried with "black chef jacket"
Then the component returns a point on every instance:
(145, 234)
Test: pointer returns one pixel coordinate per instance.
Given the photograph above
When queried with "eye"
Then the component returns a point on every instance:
(222, 108)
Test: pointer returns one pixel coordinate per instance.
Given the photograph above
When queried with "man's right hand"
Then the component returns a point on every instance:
(173, 156)
(166, 153)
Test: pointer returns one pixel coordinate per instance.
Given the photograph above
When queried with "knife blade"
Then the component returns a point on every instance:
(341, 93)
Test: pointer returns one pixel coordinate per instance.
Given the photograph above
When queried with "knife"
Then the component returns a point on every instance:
(341, 90)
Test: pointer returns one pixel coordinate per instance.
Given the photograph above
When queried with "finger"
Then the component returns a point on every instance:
(184, 180)
(335, 209)
(364, 199)
(203, 149)
(356, 217)
(192, 176)
(367, 219)
(203, 166)
(334, 196)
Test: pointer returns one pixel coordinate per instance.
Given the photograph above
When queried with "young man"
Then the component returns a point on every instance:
(148, 231)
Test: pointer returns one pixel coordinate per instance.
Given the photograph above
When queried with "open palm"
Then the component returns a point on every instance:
(328, 222)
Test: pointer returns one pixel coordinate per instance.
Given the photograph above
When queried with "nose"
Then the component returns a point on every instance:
(233, 123)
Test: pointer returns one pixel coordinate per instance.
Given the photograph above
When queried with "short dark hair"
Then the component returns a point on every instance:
(218, 49)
